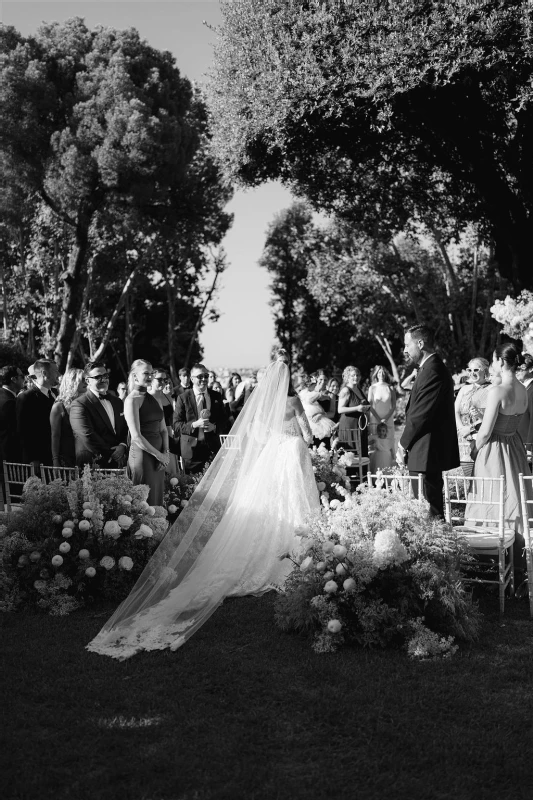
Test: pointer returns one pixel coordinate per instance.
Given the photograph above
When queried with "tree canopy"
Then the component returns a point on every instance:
(385, 113)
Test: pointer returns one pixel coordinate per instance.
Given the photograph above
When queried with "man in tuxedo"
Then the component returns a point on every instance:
(429, 440)
(11, 383)
(199, 419)
(97, 420)
(33, 415)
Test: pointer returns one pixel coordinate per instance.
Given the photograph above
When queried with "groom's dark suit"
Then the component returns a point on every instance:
(196, 456)
(93, 432)
(430, 433)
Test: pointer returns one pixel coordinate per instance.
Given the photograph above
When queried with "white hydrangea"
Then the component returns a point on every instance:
(388, 549)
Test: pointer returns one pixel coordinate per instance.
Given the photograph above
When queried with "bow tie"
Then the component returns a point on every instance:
(103, 396)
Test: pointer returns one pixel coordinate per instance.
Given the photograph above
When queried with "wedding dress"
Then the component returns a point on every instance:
(243, 515)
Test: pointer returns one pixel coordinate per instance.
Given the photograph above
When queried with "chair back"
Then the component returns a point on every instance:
(351, 437)
(230, 441)
(477, 493)
(409, 485)
(65, 474)
(15, 476)
(529, 454)
(526, 503)
(110, 473)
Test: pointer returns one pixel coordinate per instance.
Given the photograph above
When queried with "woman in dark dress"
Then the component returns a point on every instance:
(159, 380)
(63, 448)
(353, 407)
(149, 453)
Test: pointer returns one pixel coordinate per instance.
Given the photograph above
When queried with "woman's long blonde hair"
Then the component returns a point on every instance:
(69, 388)
(136, 364)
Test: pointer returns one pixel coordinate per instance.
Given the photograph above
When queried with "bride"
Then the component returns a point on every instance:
(227, 541)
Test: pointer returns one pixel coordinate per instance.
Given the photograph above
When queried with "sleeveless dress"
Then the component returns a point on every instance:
(321, 425)
(144, 466)
(382, 455)
(382, 408)
(504, 454)
(472, 404)
(356, 419)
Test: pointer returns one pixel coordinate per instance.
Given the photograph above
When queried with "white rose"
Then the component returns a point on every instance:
(340, 569)
(35, 556)
(321, 566)
(84, 525)
(349, 584)
(64, 547)
(86, 504)
(339, 551)
(328, 546)
(172, 509)
(57, 519)
(67, 533)
(144, 532)
(334, 504)
(328, 575)
(112, 529)
(125, 522)
(125, 563)
(184, 503)
(306, 563)
(143, 505)
(88, 513)
(68, 524)
(90, 572)
(150, 511)
(321, 486)
(57, 561)
(174, 482)
(330, 587)
(128, 498)
(84, 555)
(334, 626)
(107, 562)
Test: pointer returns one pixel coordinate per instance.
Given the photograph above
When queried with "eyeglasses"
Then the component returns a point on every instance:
(104, 376)
(160, 378)
(202, 376)
(474, 371)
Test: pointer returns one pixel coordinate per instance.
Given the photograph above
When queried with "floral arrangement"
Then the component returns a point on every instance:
(330, 475)
(516, 316)
(70, 543)
(378, 570)
(178, 491)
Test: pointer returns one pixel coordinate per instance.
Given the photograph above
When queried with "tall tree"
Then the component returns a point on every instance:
(92, 119)
(385, 112)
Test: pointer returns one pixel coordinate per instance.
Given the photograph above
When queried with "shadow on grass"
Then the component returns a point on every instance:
(246, 711)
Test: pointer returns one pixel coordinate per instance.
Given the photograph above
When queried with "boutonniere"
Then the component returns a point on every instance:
(121, 413)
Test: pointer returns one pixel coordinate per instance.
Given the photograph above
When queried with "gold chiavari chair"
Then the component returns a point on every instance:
(398, 483)
(526, 503)
(230, 441)
(110, 473)
(65, 474)
(351, 439)
(474, 507)
(15, 476)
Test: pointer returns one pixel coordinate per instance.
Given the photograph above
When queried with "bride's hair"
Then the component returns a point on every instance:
(282, 355)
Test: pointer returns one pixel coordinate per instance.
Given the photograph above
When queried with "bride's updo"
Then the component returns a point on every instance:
(510, 354)
(282, 355)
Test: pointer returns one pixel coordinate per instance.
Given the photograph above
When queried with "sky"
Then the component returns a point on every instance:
(244, 334)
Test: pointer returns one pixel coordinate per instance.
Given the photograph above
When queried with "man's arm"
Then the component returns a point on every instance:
(422, 408)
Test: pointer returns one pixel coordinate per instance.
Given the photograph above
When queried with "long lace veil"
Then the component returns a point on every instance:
(176, 593)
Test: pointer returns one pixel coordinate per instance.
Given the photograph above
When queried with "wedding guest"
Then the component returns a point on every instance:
(122, 390)
(525, 376)
(234, 381)
(184, 378)
(159, 379)
(243, 391)
(383, 454)
(322, 427)
(63, 444)
(211, 379)
(11, 383)
(382, 399)
(321, 387)
(332, 390)
(353, 407)
(33, 415)
(199, 419)
(149, 452)
(470, 406)
(216, 386)
(97, 420)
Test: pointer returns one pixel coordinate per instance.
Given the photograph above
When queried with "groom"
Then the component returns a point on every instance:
(429, 439)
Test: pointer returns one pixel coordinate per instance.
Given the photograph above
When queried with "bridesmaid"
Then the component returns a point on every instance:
(159, 380)
(149, 453)
(382, 399)
(63, 447)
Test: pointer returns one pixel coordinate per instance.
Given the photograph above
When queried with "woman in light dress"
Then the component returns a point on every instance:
(498, 448)
(382, 457)
(322, 426)
(382, 399)
(246, 511)
(470, 406)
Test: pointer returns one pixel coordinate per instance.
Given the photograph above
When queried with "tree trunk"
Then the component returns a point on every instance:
(5, 324)
(210, 293)
(100, 350)
(471, 343)
(74, 284)
(128, 344)
(385, 346)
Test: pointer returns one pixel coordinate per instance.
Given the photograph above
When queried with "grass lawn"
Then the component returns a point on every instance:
(246, 711)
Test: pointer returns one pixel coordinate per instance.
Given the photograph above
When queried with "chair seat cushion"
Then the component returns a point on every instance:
(484, 540)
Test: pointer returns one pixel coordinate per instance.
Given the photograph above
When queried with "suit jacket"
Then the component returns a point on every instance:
(186, 413)
(430, 433)
(94, 436)
(10, 444)
(33, 423)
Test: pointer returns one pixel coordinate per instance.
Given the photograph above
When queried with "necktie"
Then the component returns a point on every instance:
(200, 403)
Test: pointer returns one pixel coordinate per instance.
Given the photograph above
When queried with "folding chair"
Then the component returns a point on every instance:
(483, 531)
(230, 441)
(351, 438)
(526, 502)
(397, 483)
(15, 476)
(65, 474)
(110, 473)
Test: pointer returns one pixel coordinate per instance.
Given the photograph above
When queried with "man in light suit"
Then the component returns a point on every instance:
(97, 421)
(199, 419)
(429, 440)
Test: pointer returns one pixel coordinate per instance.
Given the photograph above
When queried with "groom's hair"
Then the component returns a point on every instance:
(423, 332)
